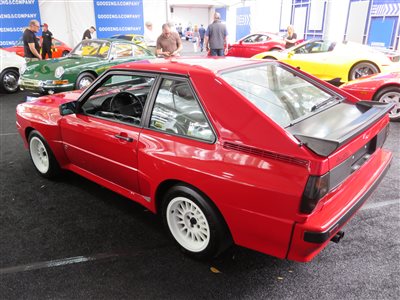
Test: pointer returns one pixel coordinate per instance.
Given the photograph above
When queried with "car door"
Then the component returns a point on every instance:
(246, 46)
(259, 44)
(101, 138)
(313, 57)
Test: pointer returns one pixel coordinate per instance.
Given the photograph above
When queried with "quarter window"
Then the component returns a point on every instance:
(177, 111)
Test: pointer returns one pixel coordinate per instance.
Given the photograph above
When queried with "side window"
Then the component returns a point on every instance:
(177, 111)
(251, 39)
(123, 50)
(120, 98)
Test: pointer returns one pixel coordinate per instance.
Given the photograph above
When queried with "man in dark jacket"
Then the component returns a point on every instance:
(47, 41)
(216, 37)
(87, 35)
(31, 43)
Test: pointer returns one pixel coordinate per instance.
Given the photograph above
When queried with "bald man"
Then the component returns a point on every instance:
(31, 43)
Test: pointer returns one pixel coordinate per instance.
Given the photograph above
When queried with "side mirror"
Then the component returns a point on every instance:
(240, 42)
(68, 108)
(290, 54)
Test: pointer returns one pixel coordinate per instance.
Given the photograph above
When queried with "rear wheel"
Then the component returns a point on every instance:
(9, 81)
(84, 80)
(194, 223)
(390, 94)
(42, 157)
(362, 69)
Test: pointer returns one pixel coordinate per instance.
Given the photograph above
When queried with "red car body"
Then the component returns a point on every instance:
(383, 87)
(254, 175)
(60, 48)
(255, 43)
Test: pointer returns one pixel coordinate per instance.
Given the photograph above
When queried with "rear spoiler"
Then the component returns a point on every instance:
(328, 130)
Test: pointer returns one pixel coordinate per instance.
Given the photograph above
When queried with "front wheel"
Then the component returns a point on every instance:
(65, 53)
(42, 156)
(194, 223)
(84, 80)
(269, 57)
(390, 94)
(362, 69)
(9, 81)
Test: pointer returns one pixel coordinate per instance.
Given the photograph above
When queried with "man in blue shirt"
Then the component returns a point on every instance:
(202, 33)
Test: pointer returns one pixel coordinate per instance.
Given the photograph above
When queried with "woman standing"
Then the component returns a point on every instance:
(291, 37)
(195, 38)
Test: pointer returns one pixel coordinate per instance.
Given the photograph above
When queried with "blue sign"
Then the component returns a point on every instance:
(14, 19)
(242, 22)
(118, 17)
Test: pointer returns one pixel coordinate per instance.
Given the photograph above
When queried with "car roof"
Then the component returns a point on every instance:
(184, 66)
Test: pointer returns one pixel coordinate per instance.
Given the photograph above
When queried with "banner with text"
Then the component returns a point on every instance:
(14, 18)
(242, 22)
(118, 17)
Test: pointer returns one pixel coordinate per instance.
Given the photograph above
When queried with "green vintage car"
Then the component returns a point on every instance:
(77, 70)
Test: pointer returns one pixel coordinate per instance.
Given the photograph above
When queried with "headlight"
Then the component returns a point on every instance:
(22, 69)
(59, 72)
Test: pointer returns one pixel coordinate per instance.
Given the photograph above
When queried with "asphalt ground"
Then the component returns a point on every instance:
(73, 239)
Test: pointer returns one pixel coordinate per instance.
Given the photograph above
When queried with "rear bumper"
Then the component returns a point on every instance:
(311, 237)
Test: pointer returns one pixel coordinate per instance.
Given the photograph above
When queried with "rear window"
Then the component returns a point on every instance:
(277, 92)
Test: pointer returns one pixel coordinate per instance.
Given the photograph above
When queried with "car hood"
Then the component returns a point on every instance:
(46, 109)
(372, 80)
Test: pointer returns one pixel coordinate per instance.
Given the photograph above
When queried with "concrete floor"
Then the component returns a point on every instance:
(72, 239)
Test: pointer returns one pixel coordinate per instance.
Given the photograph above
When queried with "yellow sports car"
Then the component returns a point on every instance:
(333, 61)
(136, 38)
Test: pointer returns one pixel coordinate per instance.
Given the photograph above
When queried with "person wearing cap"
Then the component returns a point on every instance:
(47, 41)
(31, 44)
(87, 35)
(150, 37)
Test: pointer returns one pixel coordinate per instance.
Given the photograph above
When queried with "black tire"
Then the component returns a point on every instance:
(269, 57)
(196, 214)
(42, 157)
(390, 94)
(84, 80)
(9, 81)
(65, 53)
(362, 69)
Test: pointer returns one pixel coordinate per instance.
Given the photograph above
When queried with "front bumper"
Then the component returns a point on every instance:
(44, 86)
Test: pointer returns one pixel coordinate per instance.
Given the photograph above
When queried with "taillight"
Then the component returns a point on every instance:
(316, 188)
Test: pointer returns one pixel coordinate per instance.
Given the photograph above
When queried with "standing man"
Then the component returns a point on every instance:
(216, 37)
(202, 33)
(168, 43)
(47, 41)
(150, 38)
(31, 43)
(87, 35)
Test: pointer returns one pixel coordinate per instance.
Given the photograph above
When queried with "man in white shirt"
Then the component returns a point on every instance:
(150, 37)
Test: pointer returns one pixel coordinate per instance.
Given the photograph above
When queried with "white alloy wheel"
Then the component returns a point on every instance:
(188, 224)
(39, 155)
(392, 97)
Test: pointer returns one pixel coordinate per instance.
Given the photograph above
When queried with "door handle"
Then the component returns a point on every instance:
(125, 138)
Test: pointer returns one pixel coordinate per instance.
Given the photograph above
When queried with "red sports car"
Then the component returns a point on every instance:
(255, 43)
(255, 153)
(60, 48)
(381, 87)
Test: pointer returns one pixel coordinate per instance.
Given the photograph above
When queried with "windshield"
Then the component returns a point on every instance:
(277, 92)
(92, 48)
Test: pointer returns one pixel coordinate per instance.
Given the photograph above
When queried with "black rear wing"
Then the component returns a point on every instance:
(328, 130)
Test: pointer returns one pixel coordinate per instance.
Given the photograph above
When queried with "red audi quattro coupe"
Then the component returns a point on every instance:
(249, 152)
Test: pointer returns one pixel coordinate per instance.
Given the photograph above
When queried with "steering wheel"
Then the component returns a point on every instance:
(126, 104)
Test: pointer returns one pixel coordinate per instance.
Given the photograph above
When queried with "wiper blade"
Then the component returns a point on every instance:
(323, 103)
